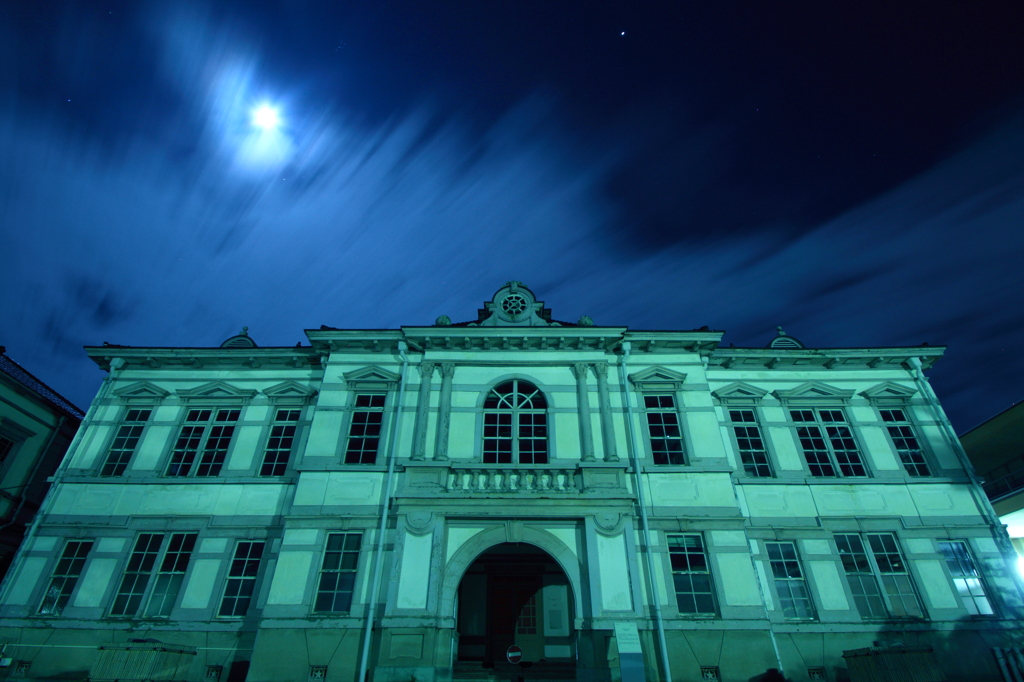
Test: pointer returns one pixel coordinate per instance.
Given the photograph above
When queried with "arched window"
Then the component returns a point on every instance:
(515, 424)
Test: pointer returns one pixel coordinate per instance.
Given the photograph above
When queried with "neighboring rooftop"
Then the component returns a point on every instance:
(31, 382)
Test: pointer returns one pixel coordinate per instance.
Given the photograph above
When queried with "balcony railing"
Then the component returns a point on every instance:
(511, 480)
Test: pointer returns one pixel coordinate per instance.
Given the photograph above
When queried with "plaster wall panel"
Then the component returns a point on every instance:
(336, 397)
(567, 536)
(461, 436)
(111, 545)
(876, 445)
(95, 582)
(865, 414)
(986, 545)
(774, 413)
(300, 536)
(829, 586)
(166, 413)
(151, 447)
(688, 490)
(414, 578)
(324, 434)
(815, 546)
(785, 448)
(228, 501)
(738, 581)
(256, 413)
(200, 584)
(45, 543)
(944, 500)
(567, 436)
(89, 454)
(346, 488)
(706, 435)
(290, 577)
(844, 500)
(213, 545)
(936, 586)
(919, 545)
(243, 449)
(614, 572)
(766, 593)
(729, 538)
(457, 537)
(311, 488)
(779, 500)
(940, 447)
(29, 573)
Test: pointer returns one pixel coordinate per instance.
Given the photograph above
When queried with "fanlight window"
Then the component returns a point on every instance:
(515, 424)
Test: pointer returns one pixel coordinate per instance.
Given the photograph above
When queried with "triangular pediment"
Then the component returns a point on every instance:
(812, 392)
(739, 391)
(657, 378)
(290, 390)
(141, 390)
(888, 390)
(372, 377)
(215, 390)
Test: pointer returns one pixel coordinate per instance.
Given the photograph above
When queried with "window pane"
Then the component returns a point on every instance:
(65, 577)
(241, 581)
(690, 575)
(966, 578)
(337, 574)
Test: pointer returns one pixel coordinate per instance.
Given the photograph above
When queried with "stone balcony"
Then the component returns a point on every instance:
(476, 479)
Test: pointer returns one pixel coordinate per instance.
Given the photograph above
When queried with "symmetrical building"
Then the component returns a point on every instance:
(414, 503)
(36, 427)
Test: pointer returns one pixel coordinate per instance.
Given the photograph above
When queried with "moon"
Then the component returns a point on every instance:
(266, 117)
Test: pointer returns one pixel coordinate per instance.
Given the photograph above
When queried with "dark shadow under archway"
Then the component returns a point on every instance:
(515, 594)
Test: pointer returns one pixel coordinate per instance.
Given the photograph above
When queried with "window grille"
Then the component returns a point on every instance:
(65, 577)
(752, 449)
(280, 443)
(966, 578)
(136, 575)
(663, 429)
(338, 573)
(691, 575)
(171, 574)
(907, 446)
(206, 431)
(794, 597)
(143, 564)
(125, 442)
(515, 424)
(828, 443)
(364, 434)
(241, 582)
(879, 579)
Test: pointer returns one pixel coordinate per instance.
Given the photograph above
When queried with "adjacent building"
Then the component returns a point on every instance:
(36, 426)
(412, 503)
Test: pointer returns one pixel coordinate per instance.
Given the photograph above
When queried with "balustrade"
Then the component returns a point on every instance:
(512, 480)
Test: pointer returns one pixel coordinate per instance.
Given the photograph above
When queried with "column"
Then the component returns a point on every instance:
(444, 411)
(580, 370)
(605, 406)
(419, 436)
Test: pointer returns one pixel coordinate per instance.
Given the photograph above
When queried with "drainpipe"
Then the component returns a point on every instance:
(385, 507)
(641, 502)
(980, 498)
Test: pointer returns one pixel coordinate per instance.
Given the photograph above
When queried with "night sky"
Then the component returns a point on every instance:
(852, 172)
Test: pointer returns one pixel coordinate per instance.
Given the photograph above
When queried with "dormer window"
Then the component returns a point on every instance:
(515, 424)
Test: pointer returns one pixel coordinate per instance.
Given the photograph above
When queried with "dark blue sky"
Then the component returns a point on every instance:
(851, 171)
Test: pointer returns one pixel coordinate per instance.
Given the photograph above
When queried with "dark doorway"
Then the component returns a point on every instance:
(515, 594)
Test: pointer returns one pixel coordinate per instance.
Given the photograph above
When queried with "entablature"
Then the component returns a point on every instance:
(823, 358)
(205, 358)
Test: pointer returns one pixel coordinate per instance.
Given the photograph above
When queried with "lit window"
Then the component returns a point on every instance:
(515, 424)
(828, 443)
(691, 575)
(753, 453)
(338, 573)
(143, 564)
(241, 584)
(280, 443)
(364, 434)
(663, 428)
(794, 598)
(206, 434)
(966, 578)
(879, 579)
(903, 438)
(125, 442)
(65, 577)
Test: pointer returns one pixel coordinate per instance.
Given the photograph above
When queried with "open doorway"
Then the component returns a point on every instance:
(515, 594)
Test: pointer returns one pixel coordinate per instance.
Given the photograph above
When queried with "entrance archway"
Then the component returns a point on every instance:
(515, 593)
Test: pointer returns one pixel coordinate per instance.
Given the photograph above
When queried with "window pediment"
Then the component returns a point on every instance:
(813, 392)
(216, 390)
(657, 379)
(888, 392)
(290, 390)
(739, 392)
(142, 390)
(372, 378)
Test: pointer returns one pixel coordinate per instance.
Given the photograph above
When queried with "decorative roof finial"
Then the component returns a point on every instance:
(244, 332)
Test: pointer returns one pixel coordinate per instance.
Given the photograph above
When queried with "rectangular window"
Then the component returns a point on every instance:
(241, 582)
(663, 428)
(879, 579)
(364, 434)
(828, 443)
(280, 443)
(691, 575)
(753, 453)
(65, 577)
(966, 578)
(206, 434)
(125, 442)
(794, 597)
(338, 573)
(903, 438)
(143, 563)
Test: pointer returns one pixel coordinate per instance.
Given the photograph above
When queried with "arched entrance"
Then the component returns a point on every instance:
(515, 593)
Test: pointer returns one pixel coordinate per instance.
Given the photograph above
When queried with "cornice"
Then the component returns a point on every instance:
(823, 358)
(208, 358)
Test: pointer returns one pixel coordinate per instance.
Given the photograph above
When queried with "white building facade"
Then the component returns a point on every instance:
(408, 504)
